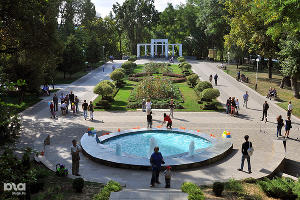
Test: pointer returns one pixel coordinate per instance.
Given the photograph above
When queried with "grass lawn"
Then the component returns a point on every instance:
(284, 95)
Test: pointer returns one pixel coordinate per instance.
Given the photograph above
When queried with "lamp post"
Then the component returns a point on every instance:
(103, 52)
(257, 61)
(228, 53)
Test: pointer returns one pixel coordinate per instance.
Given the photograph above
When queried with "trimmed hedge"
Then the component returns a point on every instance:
(202, 85)
(141, 74)
(195, 193)
(180, 59)
(178, 80)
(193, 80)
(209, 94)
(128, 66)
(174, 75)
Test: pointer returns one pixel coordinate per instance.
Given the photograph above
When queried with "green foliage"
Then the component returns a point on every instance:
(186, 67)
(193, 79)
(104, 194)
(132, 58)
(155, 68)
(181, 59)
(78, 184)
(128, 66)
(195, 193)
(218, 188)
(202, 85)
(93, 51)
(278, 187)
(209, 94)
(234, 186)
(296, 189)
(104, 88)
(117, 75)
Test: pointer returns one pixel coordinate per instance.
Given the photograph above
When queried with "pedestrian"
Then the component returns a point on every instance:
(237, 106)
(144, 105)
(216, 79)
(67, 101)
(280, 124)
(265, 111)
(73, 108)
(91, 109)
(103, 68)
(85, 108)
(228, 105)
(148, 106)
(172, 106)
(63, 108)
(75, 149)
(246, 149)
(238, 75)
(156, 161)
(233, 106)
(52, 111)
(76, 104)
(168, 175)
(245, 97)
(290, 109)
(62, 98)
(149, 120)
(288, 126)
(71, 97)
(210, 78)
(167, 119)
(55, 102)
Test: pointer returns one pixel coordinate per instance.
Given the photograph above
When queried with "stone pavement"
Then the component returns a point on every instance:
(268, 150)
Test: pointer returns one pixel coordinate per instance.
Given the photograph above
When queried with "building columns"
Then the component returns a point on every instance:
(138, 51)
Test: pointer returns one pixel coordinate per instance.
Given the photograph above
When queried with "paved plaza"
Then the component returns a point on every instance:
(268, 154)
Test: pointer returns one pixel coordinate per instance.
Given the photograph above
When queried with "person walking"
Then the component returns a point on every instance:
(71, 97)
(52, 111)
(62, 98)
(67, 101)
(75, 149)
(233, 106)
(76, 104)
(148, 106)
(156, 160)
(245, 97)
(91, 109)
(167, 119)
(279, 125)
(144, 105)
(228, 105)
(172, 106)
(246, 146)
(216, 79)
(238, 75)
(149, 120)
(265, 111)
(288, 126)
(55, 102)
(290, 109)
(85, 108)
(210, 78)
(237, 106)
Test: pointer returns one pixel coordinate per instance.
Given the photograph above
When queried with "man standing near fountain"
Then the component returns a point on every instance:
(75, 149)
(156, 160)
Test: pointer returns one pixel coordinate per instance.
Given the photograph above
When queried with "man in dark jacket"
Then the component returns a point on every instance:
(156, 160)
(55, 102)
(265, 111)
(246, 145)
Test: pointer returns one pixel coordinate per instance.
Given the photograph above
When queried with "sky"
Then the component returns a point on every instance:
(103, 7)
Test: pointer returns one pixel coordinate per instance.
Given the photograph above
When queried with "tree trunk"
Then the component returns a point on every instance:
(286, 80)
(270, 66)
(295, 86)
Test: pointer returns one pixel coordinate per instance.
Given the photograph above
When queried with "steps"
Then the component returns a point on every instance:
(149, 194)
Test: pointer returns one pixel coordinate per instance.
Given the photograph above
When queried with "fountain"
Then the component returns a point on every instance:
(192, 148)
(118, 150)
(152, 145)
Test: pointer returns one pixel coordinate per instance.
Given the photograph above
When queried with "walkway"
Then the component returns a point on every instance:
(268, 150)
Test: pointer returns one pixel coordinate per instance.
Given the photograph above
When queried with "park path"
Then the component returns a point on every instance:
(37, 121)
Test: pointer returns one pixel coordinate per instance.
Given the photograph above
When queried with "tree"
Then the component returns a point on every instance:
(93, 51)
(117, 75)
(73, 58)
(104, 89)
(88, 12)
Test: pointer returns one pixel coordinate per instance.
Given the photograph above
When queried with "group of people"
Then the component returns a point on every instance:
(232, 106)
(215, 78)
(288, 122)
(272, 93)
(70, 102)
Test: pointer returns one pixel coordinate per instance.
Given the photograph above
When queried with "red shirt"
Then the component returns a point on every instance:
(167, 118)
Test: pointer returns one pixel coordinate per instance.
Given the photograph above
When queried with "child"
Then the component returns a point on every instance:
(168, 120)
(149, 120)
(167, 174)
(52, 110)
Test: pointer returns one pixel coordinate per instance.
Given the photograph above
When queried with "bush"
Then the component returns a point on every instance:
(135, 79)
(155, 68)
(181, 59)
(193, 79)
(104, 194)
(104, 88)
(117, 75)
(278, 188)
(186, 67)
(132, 58)
(202, 85)
(128, 66)
(178, 80)
(195, 193)
(103, 104)
(209, 105)
(234, 186)
(141, 74)
(209, 94)
(218, 188)
(78, 184)
(174, 75)
(296, 189)
(181, 64)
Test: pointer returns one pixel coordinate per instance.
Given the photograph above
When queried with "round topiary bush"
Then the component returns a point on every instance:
(132, 58)
(181, 59)
(117, 76)
(78, 184)
(104, 88)
(128, 66)
(193, 79)
(218, 188)
(186, 67)
(209, 94)
(202, 86)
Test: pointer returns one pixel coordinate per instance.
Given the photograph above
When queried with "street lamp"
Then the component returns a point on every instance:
(228, 53)
(103, 52)
(257, 61)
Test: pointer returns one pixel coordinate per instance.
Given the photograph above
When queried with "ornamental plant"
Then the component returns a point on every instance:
(209, 94)
(104, 88)
(193, 79)
(202, 85)
(128, 66)
(117, 75)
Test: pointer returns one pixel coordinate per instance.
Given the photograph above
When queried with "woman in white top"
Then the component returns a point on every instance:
(148, 106)
(237, 103)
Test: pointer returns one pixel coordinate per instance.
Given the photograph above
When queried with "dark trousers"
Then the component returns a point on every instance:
(248, 161)
(265, 115)
(155, 176)
(216, 82)
(56, 106)
(168, 182)
(279, 130)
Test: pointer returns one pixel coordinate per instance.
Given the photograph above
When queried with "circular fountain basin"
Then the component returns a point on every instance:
(174, 146)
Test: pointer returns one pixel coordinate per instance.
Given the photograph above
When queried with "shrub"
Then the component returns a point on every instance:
(193, 79)
(132, 58)
(234, 186)
(218, 188)
(202, 85)
(209, 105)
(209, 94)
(195, 193)
(104, 194)
(178, 80)
(78, 184)
(128, 66)
(278, 187)
(117, 76)
(155, 68)
(174, 75)
(135, 79)
(186, 67)
(181, 59)
(182, 63)
(141, 74)
(103, 104)
(104, 88)
(296, 189)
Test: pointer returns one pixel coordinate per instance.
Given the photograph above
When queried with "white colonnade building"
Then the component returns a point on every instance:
(154, 48)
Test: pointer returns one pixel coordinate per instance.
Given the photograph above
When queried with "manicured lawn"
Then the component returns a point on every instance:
(284, 95)
(176, 69)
